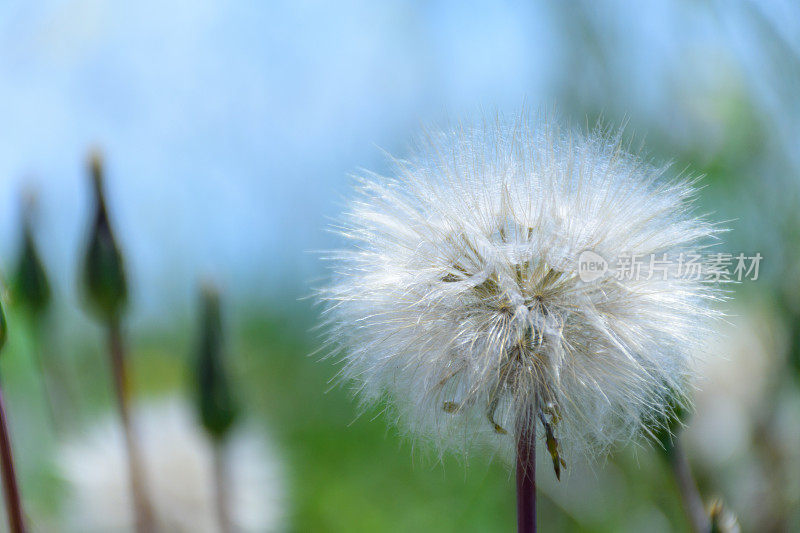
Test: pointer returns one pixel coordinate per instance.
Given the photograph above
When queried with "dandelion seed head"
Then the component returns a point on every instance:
(458, 296)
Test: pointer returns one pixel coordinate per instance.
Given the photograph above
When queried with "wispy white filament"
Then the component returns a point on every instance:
(458, 298)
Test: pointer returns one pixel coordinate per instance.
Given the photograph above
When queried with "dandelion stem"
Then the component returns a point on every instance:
(526, 473)
(221, 486)
(690, 496)
(145, 522)
(10, 488)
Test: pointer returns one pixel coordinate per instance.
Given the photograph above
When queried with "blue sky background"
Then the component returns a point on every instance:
(229, 129)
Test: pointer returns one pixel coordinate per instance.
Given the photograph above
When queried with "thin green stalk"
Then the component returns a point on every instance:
(690, 496)
(221, 486)
(145, 521)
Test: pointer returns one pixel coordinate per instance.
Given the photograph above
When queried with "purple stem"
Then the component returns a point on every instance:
(526, 474)
(10, 488)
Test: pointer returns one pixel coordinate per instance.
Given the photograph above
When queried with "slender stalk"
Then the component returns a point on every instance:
(145, 522)
(221, 486)
(46, 381)
(526, 473)
(690, 496)
(10, 488)
(57, 380)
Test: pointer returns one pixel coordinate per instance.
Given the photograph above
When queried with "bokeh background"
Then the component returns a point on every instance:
(229, 131)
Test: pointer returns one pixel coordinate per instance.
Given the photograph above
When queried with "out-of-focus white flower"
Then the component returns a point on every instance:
(178, 460)
(748, 349)
(745, 425)
(460, 296)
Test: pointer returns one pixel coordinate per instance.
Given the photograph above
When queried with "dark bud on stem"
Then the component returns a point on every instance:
(3, 327)
(794, 344)
(31, 287)
(104, 277)
(218, 410)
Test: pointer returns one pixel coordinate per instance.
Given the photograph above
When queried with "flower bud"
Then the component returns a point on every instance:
(104, 277)
(215, 399)
(3, 327)
(31, 286)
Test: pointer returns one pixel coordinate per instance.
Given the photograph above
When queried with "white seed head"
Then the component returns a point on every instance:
(179, 474)
(459, 297)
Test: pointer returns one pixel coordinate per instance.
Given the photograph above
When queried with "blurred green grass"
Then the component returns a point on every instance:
(345, 472)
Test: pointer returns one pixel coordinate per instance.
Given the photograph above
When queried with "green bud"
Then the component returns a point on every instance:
(104, 279)
(3, 327)
(794, 344)
(217, 408)
(31, 287)
(665, 426)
